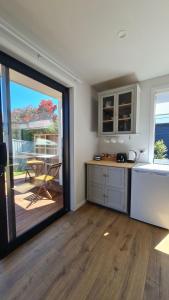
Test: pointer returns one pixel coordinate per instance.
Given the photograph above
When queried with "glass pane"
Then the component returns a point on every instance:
(7, 192)
(36, 123)
(125, 98)
(124, 111)
(108, 114)
(124, 125)
(161, 143)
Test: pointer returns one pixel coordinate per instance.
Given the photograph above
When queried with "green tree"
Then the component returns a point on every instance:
(160, 150)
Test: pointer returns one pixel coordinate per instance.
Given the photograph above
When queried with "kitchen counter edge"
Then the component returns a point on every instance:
(108, 163)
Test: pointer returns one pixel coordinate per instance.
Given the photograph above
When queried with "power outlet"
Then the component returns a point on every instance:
(142, 151)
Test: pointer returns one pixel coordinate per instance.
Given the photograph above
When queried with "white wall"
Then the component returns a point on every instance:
(83, 139)
(144, 140)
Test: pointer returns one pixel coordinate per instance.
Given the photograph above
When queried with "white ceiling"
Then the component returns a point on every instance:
(82, 34)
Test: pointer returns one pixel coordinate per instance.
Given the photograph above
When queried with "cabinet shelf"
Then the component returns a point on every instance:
(108, 108)
(107, 121)
(124, 119)
(125, 105)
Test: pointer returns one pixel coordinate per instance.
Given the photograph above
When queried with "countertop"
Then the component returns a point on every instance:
(109, 163)
(152, 168)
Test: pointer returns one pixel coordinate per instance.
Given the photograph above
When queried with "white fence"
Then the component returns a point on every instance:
(19, 146)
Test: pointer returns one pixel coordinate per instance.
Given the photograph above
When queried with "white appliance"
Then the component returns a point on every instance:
(150, 194)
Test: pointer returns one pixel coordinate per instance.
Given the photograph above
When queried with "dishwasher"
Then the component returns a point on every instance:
(150, 194)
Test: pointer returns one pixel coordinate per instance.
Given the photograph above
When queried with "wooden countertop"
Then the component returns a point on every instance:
(109, 163)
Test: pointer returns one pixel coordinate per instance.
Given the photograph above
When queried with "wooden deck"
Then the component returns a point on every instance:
(29, 214)
(91, 254)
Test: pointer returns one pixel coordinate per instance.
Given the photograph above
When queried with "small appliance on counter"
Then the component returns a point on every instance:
(121, 157)
(105, 156)
(97, 157)
(132, 156)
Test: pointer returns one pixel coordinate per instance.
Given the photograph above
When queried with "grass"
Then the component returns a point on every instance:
(16, 173)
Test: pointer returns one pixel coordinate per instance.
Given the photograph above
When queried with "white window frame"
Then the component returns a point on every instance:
(154, 92)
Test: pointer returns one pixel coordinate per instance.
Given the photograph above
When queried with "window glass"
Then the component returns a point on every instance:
(161, 144)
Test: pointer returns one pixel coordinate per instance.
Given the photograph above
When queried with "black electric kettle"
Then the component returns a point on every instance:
(121, 157)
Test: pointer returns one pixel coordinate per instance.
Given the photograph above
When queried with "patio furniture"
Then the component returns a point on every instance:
(33, 165)
(45, 179)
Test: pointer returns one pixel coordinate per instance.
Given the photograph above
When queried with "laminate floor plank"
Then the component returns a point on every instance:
(91, 254)
(157, 277)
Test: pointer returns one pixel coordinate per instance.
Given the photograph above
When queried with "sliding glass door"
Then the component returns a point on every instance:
(34, 129)
(3, 207)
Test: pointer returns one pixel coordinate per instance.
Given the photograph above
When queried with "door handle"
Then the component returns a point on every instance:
(3, 155)
(3, 158)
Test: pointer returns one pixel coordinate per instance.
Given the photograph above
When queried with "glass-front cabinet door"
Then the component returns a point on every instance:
(119, 111)
(125, 112)
(107, 114)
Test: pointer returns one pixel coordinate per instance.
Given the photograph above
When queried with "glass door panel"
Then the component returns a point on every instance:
(35, 114)
(124, 112)
(108, 114)
(34, 152)
(6, 138)
(4, 237)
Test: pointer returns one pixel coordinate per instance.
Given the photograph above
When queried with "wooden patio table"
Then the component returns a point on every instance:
(36, 165)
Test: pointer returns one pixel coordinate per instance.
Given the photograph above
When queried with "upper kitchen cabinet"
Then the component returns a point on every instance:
(118, 111)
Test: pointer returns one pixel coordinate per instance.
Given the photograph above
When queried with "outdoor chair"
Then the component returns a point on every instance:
(46, 179)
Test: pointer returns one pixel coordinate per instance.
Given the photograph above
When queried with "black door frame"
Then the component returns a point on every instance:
(5, 247)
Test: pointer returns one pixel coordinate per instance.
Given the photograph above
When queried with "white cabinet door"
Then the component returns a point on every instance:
(107, 186)
(115, 177)
(96, 174)
(115, 198)
(96, 193)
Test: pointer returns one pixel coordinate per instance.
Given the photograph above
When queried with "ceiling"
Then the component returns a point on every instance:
(82, 34)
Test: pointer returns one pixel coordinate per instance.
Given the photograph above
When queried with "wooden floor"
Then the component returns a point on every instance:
(93, 254)
(29, 214)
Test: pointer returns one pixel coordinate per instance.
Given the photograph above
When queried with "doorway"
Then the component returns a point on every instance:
(34, 127)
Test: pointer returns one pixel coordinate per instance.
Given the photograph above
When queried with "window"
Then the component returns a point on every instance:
(161, 143)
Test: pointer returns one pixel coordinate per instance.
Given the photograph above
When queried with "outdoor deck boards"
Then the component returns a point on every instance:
(39, 211)
(30, 214)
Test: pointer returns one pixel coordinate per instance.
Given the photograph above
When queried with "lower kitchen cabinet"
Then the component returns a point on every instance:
(96, 193)
(108, 186)
(116, 198)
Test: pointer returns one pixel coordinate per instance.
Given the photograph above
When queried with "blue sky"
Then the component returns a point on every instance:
(22, 96)
(162, 103)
